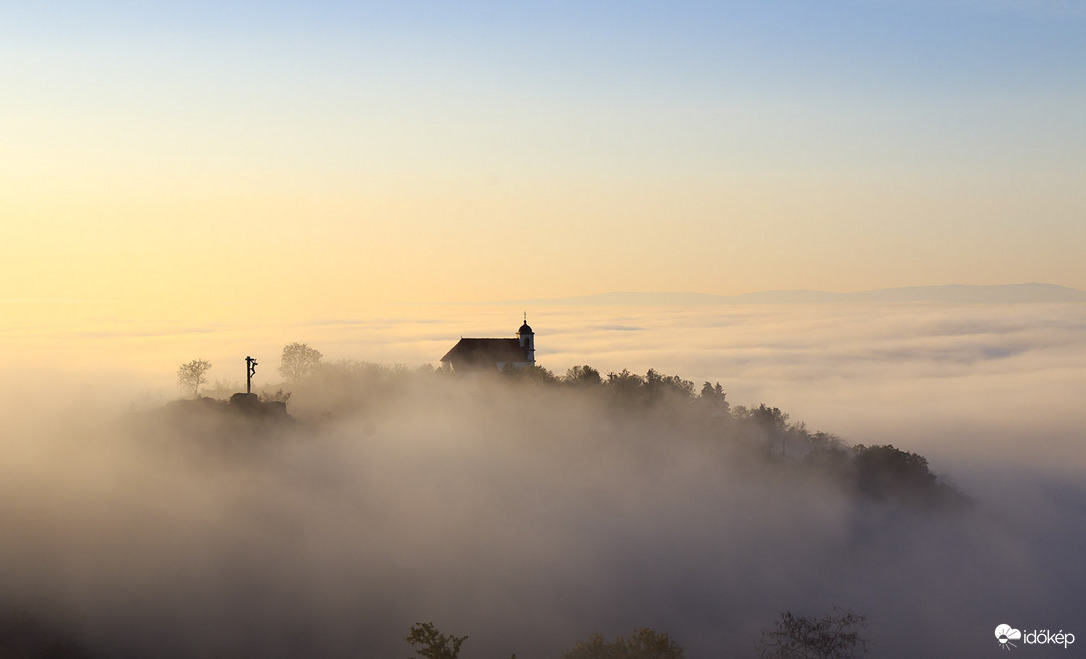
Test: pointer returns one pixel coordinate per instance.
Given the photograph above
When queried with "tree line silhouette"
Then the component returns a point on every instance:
(876, 472)
(835, 635)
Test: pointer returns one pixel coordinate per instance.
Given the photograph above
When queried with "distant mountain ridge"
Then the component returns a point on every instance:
(949, 294)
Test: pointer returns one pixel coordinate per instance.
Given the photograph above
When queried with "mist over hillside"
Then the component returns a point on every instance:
(530, 516)
(525, 514)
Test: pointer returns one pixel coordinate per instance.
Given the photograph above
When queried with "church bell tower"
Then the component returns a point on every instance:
(527, 340)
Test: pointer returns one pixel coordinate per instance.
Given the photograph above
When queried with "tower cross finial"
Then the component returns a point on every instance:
(525, 316)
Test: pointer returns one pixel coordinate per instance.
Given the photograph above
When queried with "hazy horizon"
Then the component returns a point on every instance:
(189, 157)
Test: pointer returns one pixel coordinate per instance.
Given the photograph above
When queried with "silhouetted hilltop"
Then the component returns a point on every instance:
(244, 405)
(244, 418)
(617, 412)
(670, 410)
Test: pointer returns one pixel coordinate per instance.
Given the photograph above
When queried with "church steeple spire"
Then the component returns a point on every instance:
(527, 339)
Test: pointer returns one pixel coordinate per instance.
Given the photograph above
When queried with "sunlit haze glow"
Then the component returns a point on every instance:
(190, 157)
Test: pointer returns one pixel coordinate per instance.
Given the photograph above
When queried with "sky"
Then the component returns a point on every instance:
(203, 179)
(230, 159)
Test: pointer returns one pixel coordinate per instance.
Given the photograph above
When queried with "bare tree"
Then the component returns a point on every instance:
(298, 361)
(833, 636)
(192, 375)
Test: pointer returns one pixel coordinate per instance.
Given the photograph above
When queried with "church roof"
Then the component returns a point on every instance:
(486, 352)
(525, 329)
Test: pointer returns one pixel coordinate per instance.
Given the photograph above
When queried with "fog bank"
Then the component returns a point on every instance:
(527, 517)
(530, 518)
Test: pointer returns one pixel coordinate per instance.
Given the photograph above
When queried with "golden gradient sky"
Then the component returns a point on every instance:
(198, 161)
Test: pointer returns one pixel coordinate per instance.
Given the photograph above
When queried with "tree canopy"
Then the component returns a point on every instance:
(432, 644)
(298, 361)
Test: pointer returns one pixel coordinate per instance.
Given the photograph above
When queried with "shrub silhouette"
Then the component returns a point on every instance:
(583, 376)
(835, 635)
(644, 643)
(432, 644)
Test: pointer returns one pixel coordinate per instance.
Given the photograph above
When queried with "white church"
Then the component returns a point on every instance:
(491, 354)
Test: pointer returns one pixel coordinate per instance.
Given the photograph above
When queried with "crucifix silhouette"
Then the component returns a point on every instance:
(250, 370)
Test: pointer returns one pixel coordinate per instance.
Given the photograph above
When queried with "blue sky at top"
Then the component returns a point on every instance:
(880, 142)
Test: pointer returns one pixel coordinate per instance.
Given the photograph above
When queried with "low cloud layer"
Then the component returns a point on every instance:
(530, 519)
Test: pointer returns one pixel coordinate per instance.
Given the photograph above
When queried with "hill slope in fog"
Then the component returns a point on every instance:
(524, 510)
(529, 510)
